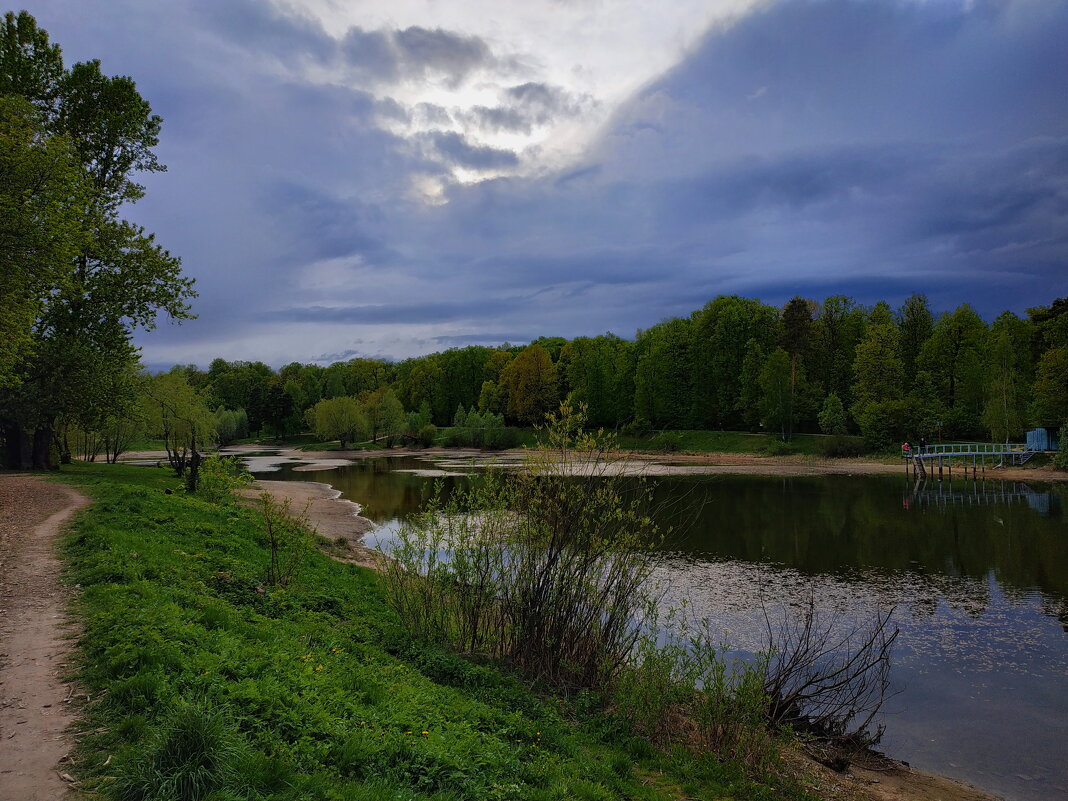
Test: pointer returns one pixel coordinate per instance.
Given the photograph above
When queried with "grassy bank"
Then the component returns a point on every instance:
(205, 683)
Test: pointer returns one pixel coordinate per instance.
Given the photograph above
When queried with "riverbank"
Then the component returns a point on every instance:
(180, 632)
(331, 517)
(883, 780)
(200, 668)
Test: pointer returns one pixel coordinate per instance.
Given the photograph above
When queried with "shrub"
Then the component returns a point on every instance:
(779, 448)
(426, 435)
(289, 537)
(840, 447)
(1060, 459)
(682, 687)
(535, 567)
(829, 677)
(219, 476)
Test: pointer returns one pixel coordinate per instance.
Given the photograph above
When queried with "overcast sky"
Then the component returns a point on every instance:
(390, 178)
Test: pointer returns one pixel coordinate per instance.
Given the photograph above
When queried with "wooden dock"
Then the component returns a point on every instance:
(927, 460)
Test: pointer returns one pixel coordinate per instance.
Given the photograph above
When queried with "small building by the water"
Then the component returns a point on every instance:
(1042, 439)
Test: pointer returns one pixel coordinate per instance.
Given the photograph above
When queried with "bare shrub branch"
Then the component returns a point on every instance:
(828, 676)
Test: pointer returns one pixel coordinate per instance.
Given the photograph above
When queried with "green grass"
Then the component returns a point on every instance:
(725, 442)
(206, 684)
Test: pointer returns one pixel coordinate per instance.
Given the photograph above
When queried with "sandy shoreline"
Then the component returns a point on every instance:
(331, 516)
(655, 464)
(635, 462)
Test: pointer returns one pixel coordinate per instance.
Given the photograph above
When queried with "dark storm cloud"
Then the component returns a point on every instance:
(323, 226)
(257, 25)
(527, 106)
(385, 313)
(414, 54)
(381, 56)
(455, 149)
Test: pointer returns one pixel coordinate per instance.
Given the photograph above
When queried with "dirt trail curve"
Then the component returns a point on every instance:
(34, 713)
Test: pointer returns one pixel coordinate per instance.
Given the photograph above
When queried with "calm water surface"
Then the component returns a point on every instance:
(977, 573)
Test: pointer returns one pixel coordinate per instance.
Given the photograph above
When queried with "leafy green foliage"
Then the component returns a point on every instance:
(178, 413)
(474, 429)
(529, 382)
(777, 394)
(1061, 459)
(220, 476)
(833, 419)
(1051, 388)
(340, 418)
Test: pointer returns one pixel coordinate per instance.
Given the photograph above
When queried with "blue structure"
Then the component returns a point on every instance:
(1042, 439)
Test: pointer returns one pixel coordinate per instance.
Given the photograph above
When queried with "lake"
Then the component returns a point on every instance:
(976, 571)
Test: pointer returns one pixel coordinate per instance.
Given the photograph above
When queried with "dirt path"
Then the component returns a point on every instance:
(34, 714)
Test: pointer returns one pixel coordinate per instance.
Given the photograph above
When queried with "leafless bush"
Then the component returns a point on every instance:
(829, 676)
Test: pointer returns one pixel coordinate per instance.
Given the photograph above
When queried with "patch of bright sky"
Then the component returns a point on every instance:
(599, 50)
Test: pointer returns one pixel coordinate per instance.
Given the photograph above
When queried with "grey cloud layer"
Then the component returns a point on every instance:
(813, 147)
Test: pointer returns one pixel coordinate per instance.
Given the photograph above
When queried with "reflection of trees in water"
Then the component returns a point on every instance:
(382, 492)
(1058, 608)
(853, 530)
(838, 525)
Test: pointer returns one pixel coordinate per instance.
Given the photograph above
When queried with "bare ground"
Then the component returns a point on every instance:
(880, 779)
(34, 646)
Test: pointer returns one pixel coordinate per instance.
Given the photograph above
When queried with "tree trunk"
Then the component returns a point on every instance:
(17, 451)
(44, 456)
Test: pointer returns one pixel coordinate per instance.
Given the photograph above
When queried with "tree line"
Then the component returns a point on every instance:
(832, 366)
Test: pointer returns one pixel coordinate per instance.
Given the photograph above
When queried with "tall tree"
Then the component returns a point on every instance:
(42, 193)
(750, 394)
(118, 278)
(339, 418)
(915, 322)
(879, 390)
(178, 414)
(531, 385)
(839, 328)
(954, 358)
(1006, 406)
(777, 401)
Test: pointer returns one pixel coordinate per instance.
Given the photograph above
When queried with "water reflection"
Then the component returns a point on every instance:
(926, 492)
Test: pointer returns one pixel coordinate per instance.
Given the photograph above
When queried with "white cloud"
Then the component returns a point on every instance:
(598, 52)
